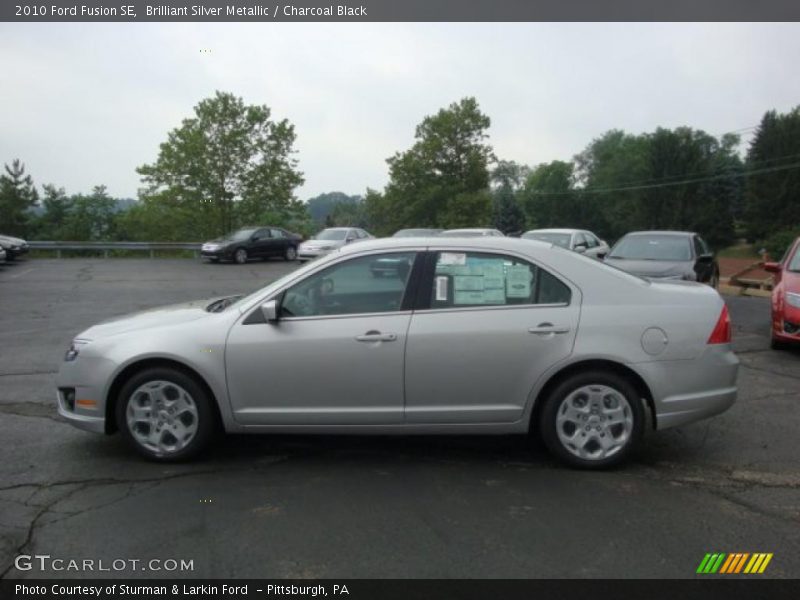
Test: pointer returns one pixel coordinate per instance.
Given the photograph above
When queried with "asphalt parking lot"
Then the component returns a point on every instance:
(316, 507)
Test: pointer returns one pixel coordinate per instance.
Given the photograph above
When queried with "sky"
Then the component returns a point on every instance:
(85, 104)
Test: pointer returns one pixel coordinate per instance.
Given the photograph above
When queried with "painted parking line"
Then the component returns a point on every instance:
(15, 275)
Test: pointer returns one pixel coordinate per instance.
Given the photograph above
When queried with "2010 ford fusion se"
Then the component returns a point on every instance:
(480, 335)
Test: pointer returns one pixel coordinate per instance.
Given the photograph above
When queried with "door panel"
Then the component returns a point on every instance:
(316, 371)
(478, 366)
(493, 325)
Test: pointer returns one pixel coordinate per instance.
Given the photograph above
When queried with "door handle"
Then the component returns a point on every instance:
(545, 328)
(376, 336)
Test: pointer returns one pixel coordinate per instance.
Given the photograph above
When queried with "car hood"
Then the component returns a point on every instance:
(156, 317)
(791, 281)
(651, 268)
(323, 244)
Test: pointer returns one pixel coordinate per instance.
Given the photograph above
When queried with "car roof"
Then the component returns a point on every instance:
(471, 229)
(435, 242)
(659, 232)
(562, 230)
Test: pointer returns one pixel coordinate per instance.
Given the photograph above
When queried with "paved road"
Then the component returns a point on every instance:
(374, 507)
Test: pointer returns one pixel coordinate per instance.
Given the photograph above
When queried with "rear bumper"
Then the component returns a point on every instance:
(685, 391)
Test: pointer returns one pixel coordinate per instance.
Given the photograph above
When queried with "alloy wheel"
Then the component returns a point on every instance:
(162, 417)
(594, 422)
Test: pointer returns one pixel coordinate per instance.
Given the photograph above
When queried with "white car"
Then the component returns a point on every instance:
(577, 240)
(329, 240)
(472, 232)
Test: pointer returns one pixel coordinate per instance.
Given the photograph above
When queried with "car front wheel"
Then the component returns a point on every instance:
(592, 420)
(165, 415)
(240, 256)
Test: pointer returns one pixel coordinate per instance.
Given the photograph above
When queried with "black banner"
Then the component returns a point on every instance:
(397, 10)
(734, 588)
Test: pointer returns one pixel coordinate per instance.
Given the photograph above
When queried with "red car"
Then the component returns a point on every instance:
(786, 297)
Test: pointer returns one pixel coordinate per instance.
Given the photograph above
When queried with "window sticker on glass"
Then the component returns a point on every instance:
(494, 277)
(468, 283)
(441, 289)
(468, 297)
(518, 282)
(452, 258)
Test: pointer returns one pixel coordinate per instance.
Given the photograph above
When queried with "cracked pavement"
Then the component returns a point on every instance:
(307, 507)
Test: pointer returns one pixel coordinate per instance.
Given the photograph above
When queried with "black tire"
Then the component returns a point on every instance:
(206, 423)
(548, 428)
(776, 344)
(240, 256)
(290, 254)
(714, 281)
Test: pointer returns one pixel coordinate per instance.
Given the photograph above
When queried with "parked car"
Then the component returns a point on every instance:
(786, 297)
(666, 255)
(578, 240)
(472, 232)
(2, 255)
(252, 242)
(483, 335)
(417, 232)
(13, 246)
(329, 240)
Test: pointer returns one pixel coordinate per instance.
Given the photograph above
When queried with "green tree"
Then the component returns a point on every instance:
(56, 207)
(443, 179)
(772, 192)
(319, 207)
(17, 197)
(548, 195)
(90, 217)
(230, 164)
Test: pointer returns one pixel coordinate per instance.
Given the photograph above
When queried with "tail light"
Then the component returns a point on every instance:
(722, 330)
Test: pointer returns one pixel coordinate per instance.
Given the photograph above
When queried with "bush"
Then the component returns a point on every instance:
(777, 244)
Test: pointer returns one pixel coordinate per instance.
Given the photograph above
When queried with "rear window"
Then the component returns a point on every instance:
(652, 247)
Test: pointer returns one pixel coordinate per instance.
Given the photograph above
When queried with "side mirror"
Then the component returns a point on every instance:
(348, 240)
(270, 310)
(772, 267)
(581, 247)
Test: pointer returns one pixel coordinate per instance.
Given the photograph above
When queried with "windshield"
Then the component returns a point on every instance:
(652, 247)
(242, 234)
(415, 233)
(331, 234)
(794, 263)
(559, 239)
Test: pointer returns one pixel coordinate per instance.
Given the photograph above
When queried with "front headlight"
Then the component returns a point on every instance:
(793, 299)
(74, 349)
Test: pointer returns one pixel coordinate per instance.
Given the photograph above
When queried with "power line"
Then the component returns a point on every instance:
(672, 184)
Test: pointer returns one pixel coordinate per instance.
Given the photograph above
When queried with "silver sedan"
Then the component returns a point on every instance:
(485, 335)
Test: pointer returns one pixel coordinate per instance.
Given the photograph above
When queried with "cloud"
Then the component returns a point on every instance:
(85, 104)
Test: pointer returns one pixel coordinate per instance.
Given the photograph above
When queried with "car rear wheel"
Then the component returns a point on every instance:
(165, 415)
(592, 420)
(240, 256)
(290, 254)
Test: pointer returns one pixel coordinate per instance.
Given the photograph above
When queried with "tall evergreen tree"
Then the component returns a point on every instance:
(17, 197)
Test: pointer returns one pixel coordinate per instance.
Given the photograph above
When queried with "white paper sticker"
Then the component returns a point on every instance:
(441, 289)
(452, 258)
(518, 282)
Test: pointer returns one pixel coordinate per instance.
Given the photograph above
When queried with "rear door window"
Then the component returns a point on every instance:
(469, 279)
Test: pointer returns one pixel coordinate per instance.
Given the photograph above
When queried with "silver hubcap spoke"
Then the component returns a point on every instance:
(162, 417)
(594, 422)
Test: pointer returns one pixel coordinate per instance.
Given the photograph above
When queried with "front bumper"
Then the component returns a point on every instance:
(219, 253)
(87, 378)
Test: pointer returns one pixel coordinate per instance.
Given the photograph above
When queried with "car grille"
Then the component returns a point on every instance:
(791, 328)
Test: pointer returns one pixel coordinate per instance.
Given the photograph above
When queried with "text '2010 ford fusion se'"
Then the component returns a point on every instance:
(472, 335)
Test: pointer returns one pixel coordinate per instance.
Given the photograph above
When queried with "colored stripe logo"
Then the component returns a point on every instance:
(734, 563)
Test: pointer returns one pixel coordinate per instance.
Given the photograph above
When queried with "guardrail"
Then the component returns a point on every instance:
(106, 247)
